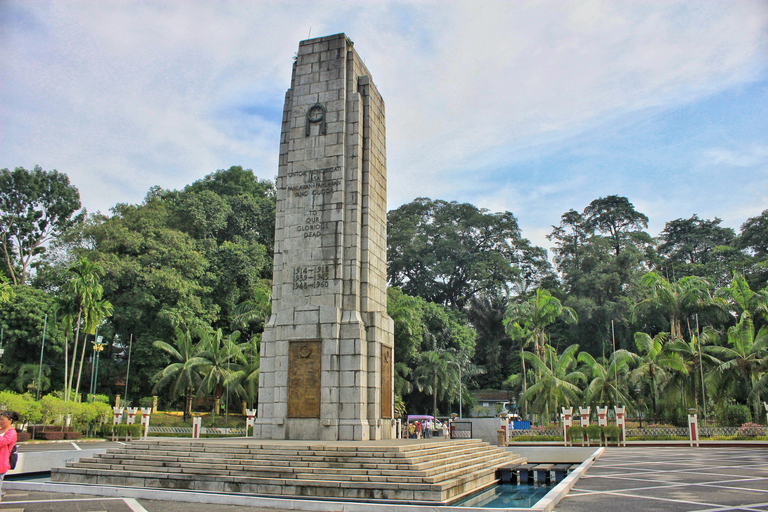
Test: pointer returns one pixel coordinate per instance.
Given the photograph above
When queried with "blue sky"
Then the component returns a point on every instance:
(532, 107)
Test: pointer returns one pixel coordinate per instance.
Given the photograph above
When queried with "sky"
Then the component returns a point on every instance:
(534, 107)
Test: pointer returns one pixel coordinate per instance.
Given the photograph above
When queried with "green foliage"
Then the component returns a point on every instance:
(448, 252)
(576, 433)
(611, 433)
(35, 206)
(593, 432)
(735, 414)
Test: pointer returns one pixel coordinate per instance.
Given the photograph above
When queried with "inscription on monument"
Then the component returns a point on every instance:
(304, 379)
(386, 382)
(315, 276)
(316, 182)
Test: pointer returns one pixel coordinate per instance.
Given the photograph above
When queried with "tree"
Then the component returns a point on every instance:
(35, 206)
(216, 353)
(435, 375)
(535, 315)
(605, 380)
(182, 374)
(742, 363)
(678, 299)
(6, 290)
(739, 298)
(689, 247)
(616, 217)
(244, 375)
(447, 252)
(557, 382)
(83, 290)
(753, 239)
(655, 364)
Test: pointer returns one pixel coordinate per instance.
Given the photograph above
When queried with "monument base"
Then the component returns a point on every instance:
(431, 471)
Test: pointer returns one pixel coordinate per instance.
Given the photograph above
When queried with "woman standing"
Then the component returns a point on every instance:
(7, 442)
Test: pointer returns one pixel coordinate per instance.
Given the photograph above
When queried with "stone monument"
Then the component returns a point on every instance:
(327, 350)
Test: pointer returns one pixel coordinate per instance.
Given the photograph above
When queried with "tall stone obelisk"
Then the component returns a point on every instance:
(327, 351)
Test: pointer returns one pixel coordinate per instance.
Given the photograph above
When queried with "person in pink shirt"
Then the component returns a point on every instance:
(7, 442)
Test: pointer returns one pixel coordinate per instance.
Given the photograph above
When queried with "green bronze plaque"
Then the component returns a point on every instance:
(304, 379)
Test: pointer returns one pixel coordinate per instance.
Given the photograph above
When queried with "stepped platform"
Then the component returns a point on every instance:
(428, 471)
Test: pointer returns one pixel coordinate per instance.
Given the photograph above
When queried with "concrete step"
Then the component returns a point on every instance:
(418, 472)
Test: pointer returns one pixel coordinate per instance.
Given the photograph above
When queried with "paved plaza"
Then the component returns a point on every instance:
(674, 479)
(626, 479)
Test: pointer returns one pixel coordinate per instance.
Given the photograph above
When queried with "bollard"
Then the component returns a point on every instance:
(567, 423)
(196, 424)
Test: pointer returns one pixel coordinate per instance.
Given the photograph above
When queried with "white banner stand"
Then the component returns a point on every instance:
(196, 427)
(602, 416)
(145, 412)
(584, 411)
(567, 423)
(250, 415)
(620, 423)
(693, 429)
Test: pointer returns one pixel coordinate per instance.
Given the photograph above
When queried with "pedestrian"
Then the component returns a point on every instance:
(7, 442)
(428, 429)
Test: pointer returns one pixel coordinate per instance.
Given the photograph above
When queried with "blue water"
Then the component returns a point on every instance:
(506, 496)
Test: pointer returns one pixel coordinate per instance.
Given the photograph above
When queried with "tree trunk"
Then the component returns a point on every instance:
(80, 370)
(74, 353)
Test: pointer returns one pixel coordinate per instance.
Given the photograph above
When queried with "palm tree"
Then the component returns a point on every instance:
(678, 299)
(181, 374)
(603, 388)
(94, 313)
(740, 299)
(741, 365)
(83, 288)
(244, 374)
(65, 312)
(434, 374)
(217, 351)
(557, 384)
(694, 354)
(533, 316)
(655, 363)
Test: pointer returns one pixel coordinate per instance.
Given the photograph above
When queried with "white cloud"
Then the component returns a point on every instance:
(123, 95)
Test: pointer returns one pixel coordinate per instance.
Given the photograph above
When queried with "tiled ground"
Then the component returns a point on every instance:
(673, 479)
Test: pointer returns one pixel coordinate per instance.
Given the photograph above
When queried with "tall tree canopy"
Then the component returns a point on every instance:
(448, 252)
(35, 206)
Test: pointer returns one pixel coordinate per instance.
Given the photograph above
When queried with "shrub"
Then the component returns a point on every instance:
(23, 436)
(576, 433)
(594, 432)
(147, 401)
(751, 429)
(735, 414)
(612, 433)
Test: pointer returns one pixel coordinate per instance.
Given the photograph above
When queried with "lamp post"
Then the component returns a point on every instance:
(459, 367)
(639, 409)
(98, 346)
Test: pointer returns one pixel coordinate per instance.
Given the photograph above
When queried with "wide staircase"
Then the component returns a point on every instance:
(427, 471)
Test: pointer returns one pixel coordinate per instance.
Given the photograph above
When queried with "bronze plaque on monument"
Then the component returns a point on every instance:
(386, 382)
(304, 379)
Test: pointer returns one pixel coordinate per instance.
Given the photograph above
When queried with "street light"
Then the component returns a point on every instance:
(98, 346)
(459, 367)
